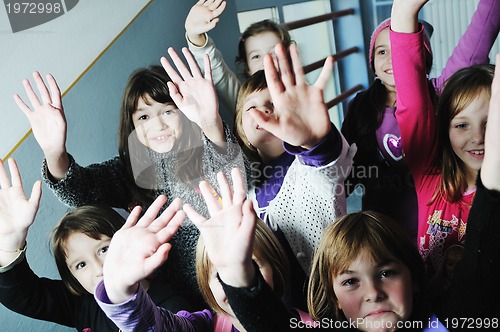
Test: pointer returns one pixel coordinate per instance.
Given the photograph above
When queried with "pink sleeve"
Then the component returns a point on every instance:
(414, 109)
(476, 42)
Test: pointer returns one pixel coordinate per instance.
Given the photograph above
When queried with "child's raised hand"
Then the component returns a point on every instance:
(404, 15)
(229, 234)
(46, 118)
(490, 174)
(194, 93)
(17, 212)
(202, 18)
(300, 114)
(140, 247)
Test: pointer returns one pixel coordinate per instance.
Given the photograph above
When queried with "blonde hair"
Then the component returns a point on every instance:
(341, 244)
(266, 249)
(256, 82)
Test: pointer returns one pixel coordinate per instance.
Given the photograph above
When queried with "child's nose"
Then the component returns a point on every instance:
(374, 292)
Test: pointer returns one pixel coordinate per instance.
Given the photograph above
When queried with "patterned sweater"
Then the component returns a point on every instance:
(107, 183)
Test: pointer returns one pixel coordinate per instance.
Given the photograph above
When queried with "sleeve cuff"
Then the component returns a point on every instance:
(17, 260)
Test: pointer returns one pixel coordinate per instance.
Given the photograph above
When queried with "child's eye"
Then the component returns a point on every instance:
(167, 112)
(461, 126)
(255, 57)
(250, 108)
(103, 250)
(349, 282)
(382, 52)
(387, 273)
(80, 265)
(143, 117)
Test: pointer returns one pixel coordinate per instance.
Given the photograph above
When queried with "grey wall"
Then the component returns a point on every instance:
(92, 110)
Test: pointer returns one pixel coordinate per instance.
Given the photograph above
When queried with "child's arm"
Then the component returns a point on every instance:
(139, 248)
(229, 239)
(312, 194)
(48, 122)
(195, 95)
(475, 287)
(17, 213)
(200, 19)
(415, 110)
(476, 42)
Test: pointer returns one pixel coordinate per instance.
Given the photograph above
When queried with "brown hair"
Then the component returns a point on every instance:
(92, 220)
(255, 29)
(460, 90)
(266, 249)
(343, 241)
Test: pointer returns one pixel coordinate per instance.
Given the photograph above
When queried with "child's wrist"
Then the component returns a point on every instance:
(197, 40)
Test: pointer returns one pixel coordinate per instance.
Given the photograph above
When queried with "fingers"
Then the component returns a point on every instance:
(172, 73)
(152, 211)
(36, 193)
(55, 91)
(193, 215)
(298, 70)
(211, 198)
(42, 88)
(166, 233)
(269, 123)
(217, 8)
(284, 67)
(156, 260)
(239, 192)
(207, 67)
(193, 66)
(24, 108)
(14, 173)
(167, 216)
(31, 94)
(325, 74)
(273, 80)
(225, 190)
(4, 178)
(249, 220)
(133, 217)
(181, 67)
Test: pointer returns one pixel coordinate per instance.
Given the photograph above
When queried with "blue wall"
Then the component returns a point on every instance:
(92, 111)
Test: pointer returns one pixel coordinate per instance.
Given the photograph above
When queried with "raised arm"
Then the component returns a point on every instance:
(228, 237)
(202, 18)
(300, 114)
(415, 109)
(195, 95)
(139, 248)
(17, 213)
(48, 122)
(476, 42)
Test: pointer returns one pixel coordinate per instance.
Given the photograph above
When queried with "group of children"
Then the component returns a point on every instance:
(246, 228)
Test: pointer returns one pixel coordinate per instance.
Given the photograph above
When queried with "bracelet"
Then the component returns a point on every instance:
(14, 251)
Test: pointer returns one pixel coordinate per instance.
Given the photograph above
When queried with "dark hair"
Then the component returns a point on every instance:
(254, 29)
(459, 91)
(92, 220)
(151, 83)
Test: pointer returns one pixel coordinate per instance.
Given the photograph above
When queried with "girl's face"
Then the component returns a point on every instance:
(256, 135)
(265, 269)
(85, 258)
(157, 125)
(467, 130)
(256, 47)
(374, 295)
(382, 60)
